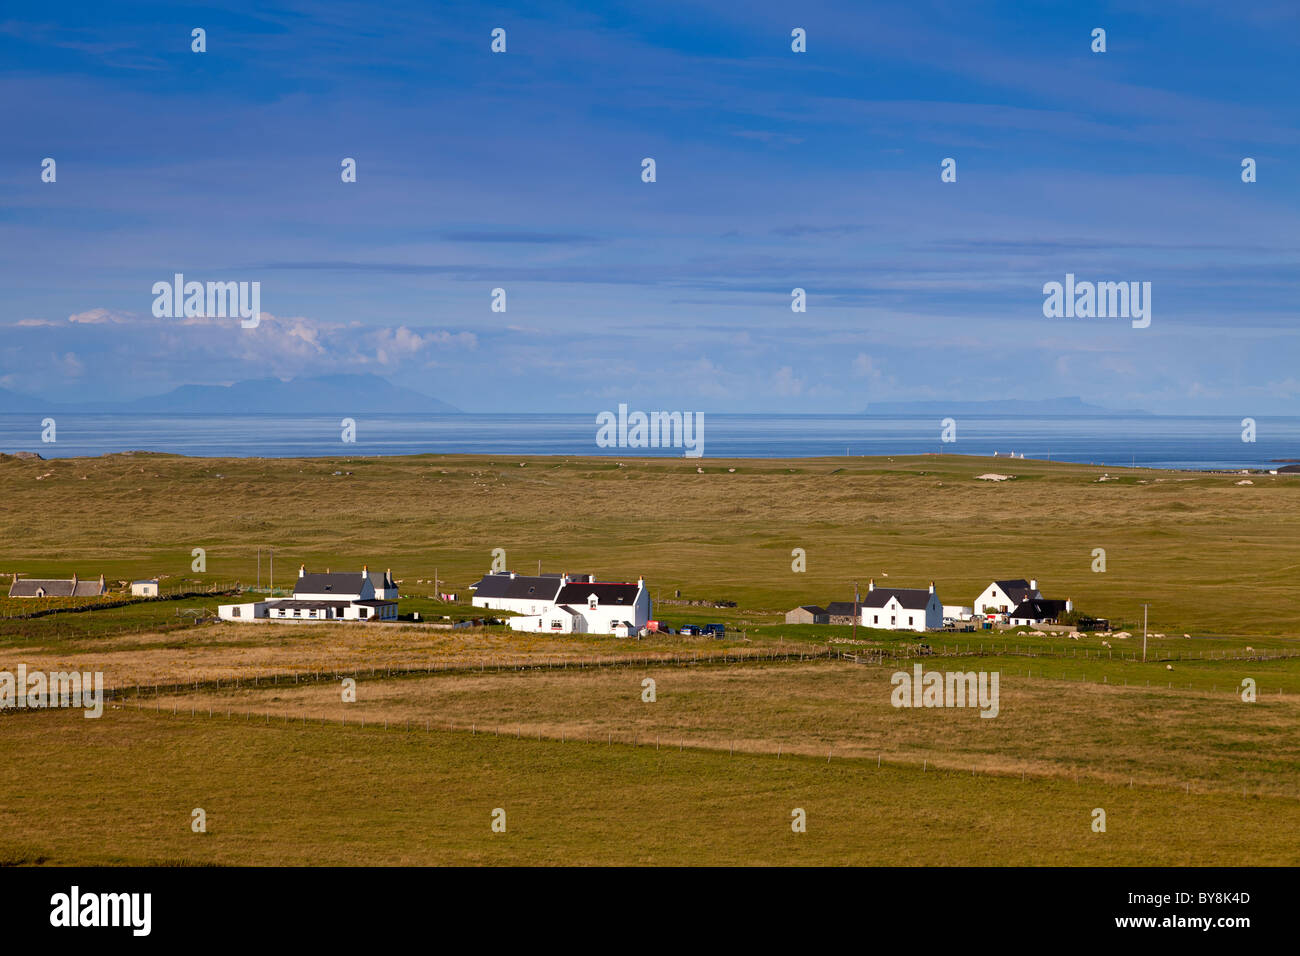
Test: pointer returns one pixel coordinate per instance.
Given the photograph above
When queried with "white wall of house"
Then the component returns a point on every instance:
(144, 589)
(555, 621)
(242, 612)
(993, 600)
(894, 617)
(958, 612)
(600, 618)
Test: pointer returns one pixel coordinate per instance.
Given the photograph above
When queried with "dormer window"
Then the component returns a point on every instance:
(592, 602)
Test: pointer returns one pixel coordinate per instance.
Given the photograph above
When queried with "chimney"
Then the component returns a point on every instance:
(74, 582)
(101, 581)
(365, 569)
(388, 578)
(1069, 604)
(871, 585)
(931, 587)
(302, 569)
(640, 581)
(564, 578)
(591, 579)
(1033, 584)
(513, 575)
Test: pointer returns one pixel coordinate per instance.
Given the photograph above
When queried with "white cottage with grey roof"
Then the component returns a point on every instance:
(902, 609)
(1002, 597)
(561, 604)
(328, 596)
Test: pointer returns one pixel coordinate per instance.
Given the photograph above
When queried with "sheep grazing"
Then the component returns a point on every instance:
(1105, 643)
(1169, 667)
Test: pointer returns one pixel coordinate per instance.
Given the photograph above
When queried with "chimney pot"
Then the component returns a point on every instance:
(1033, 584)
(931, 587)
(871, 585)
(302, 569)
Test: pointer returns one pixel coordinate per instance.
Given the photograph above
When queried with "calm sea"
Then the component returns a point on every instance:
(1152, 441)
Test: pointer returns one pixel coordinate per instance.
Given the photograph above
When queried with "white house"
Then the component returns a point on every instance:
(507, 591)
(1003, 597)
(1039, 611)
(578, 605)
(146, 588)
(332, 596)
(902, 609)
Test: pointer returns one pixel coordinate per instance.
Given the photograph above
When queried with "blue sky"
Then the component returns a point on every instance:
(775, 170)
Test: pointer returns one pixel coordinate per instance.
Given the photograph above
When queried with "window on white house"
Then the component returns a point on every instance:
(893, 619)
(235, 612)
(909, 619)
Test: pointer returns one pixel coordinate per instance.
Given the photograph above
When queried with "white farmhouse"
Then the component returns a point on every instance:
(146, 588)
(332, 596)
(1003, 597)
(902, 609)
(507, 591)
(560, 604)
(1039, 611)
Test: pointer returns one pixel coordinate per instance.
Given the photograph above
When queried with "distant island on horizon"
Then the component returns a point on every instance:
(366, 393)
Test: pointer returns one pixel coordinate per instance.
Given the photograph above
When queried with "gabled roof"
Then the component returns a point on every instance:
(577, 592)
(1017, 589)
(337, 582)
(499, 584)
(381, 580)
(1039, 609)
(914, 599)
(56, 587)
(841, 608)
(812, 608)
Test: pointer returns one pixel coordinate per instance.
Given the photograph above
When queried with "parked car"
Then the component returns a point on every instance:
(692, 630)
(717, 630)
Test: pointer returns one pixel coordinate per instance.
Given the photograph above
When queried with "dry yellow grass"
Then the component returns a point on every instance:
(1045, 728)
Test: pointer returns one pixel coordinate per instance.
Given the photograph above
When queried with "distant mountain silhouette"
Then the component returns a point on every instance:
(325, 395)
(1006, 406)
(17, 402)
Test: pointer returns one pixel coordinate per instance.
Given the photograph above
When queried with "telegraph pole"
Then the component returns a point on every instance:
(1144, 632)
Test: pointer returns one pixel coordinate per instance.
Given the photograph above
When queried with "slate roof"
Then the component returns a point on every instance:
(914, 599)
(55, 587)
(1017, 589)
(1039, 609)
(577, 592)
(337, 582)
(840, 609)
(813, 608)
(522, 587)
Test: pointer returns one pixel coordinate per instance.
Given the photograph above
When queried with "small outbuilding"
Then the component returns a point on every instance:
(144, 588)
(808, 614)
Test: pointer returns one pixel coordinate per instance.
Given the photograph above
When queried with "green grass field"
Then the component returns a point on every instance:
(1186, 771)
